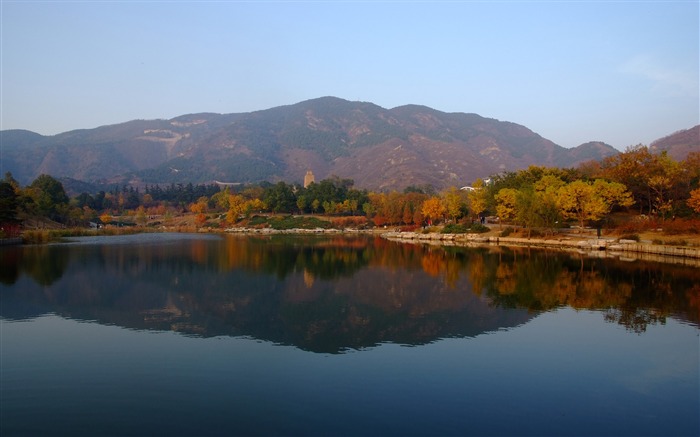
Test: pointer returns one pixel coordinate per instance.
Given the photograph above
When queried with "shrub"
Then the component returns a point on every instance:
(681, 226)
(478, 228)
(349, 222)
(506, 232)
(633, 237)
(453, 228)
(536, 233)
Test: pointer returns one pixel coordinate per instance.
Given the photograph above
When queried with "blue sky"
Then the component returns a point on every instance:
(623, 72)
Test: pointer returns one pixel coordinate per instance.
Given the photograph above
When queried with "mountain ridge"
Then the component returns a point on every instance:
(380, 149)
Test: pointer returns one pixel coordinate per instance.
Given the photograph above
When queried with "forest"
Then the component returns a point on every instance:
(632, 188)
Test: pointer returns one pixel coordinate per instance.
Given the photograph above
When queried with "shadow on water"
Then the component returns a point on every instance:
(329, 295)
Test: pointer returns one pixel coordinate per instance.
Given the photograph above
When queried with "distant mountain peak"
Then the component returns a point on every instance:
(379, 148)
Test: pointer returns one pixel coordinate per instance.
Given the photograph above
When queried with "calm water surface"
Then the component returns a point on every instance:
(175, 334)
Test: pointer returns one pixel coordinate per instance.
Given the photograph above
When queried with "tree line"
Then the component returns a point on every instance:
(649, 184)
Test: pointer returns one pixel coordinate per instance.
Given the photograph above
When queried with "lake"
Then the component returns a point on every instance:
(179, 334)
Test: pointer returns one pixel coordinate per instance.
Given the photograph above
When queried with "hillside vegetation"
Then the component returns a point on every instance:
(630, 193)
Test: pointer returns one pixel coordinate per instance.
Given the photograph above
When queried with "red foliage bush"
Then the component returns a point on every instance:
(349, 222)
(669, 227)
(681, 226)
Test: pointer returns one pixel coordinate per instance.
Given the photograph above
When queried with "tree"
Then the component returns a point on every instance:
(585, 201)
(140, 217)
(455, 202)
(280, 198)
(526, 209)
(200, 207)
(433, 209)
(236, 207)
(694, 200)
(253, 205)
(8, 203)
(634, 168)
(301, 204)
(478, 198)
(578, 201)
(106, 218)
(11, 180)
(506, 204)
(369, 209)
(49, 196)
(220, 199)
(546, 200)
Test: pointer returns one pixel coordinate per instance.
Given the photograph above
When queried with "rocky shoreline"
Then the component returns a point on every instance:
(598, 247)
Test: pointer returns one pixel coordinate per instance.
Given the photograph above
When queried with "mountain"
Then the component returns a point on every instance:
(679, 144)
(378, 148)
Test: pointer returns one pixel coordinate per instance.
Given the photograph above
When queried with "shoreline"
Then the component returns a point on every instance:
(627, 250)
(608, 247)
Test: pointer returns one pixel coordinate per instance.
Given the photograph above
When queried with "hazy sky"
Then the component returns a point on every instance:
(623, 72)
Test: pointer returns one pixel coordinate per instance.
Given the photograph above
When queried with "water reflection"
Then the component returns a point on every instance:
(330, 294)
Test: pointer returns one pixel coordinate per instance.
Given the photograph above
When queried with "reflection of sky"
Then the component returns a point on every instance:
(562, 371)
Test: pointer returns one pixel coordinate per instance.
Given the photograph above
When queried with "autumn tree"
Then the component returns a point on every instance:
(694, 200)
(199, 208)
(547, 206)
(652, 179)
(478, 198)
(236, 207)
(526, 203)
(106, 218)
(592, 201)
(455, 203)
(506, 203)
(434, 209)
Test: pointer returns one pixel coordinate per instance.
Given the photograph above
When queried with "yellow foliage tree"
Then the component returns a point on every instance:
(200, 206)
(478, 198)
(694, 200)
(106, 218)
(585, 201)
(236, 207)
(454, 202)
(506, 200)
(433, 209)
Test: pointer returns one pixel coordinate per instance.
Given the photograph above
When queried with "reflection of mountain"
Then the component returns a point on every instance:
(321, 296)
(327, 295)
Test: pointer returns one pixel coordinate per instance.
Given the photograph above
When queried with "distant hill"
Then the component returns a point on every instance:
(378, 148)
(679, 144)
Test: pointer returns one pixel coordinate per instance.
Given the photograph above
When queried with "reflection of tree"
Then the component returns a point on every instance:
(44, 264)
(9, 260)
(634, 319)
(630, 294)
(282, 256)
(329, 294)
